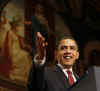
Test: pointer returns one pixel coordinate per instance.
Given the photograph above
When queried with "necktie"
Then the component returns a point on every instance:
(70, 78)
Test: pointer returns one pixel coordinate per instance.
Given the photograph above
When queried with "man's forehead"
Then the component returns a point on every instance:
(68, 42)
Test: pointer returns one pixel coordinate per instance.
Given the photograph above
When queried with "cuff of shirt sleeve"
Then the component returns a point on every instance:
(42, 61)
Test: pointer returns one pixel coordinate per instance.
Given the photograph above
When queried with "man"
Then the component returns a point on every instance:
(58, 77)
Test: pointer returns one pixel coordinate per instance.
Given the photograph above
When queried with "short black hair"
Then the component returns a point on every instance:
(62, 37)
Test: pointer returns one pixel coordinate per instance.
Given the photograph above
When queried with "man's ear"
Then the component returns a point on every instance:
(77, 55)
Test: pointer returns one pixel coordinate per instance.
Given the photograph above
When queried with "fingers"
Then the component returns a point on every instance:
(40, 40)
(39, 35)
(40, 44)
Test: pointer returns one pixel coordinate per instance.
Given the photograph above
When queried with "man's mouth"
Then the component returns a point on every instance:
(67, 57)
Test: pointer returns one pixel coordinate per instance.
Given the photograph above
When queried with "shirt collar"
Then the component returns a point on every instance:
(64, 68)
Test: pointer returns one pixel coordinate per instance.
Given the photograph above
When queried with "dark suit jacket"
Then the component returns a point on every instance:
(48, 79)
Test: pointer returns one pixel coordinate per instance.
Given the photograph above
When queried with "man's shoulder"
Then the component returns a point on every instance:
(50, 68)
(50, 72)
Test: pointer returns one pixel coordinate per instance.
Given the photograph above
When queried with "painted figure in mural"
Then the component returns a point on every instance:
(20, 57)
(39, 23)
(15, 52)
(3, 52)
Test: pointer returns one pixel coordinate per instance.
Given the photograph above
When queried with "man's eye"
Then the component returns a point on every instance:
(73, 48)
(63, 47)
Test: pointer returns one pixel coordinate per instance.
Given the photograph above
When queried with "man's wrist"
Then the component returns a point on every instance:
(39, 61)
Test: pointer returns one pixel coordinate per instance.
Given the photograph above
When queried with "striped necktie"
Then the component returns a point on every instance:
(70, 77)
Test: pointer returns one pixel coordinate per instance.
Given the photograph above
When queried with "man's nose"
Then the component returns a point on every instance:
(67, 53)
(68, 49)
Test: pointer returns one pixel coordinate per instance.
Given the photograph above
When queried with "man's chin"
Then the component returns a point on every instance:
(67, 66)
(67, 61)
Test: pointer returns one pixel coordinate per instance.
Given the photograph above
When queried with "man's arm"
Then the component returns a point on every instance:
(36, 75)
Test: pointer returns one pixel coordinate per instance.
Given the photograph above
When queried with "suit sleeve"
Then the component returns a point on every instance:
(36, 80)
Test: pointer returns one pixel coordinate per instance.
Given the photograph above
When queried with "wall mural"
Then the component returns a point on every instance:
(15, 60)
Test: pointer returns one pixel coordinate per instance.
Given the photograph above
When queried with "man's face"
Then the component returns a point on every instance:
(67, 53)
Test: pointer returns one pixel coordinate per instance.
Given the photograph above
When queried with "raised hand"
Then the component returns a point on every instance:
(40, 46)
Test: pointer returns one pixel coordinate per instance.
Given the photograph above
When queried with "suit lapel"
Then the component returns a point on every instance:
(76, 76)
(61, 76)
